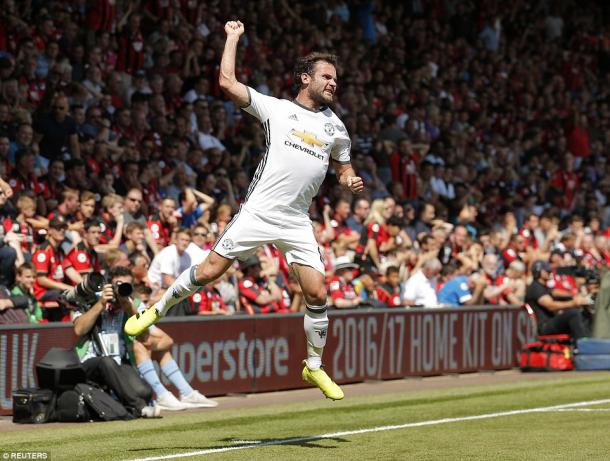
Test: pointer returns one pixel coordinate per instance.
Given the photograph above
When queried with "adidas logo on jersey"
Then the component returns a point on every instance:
(293, 117)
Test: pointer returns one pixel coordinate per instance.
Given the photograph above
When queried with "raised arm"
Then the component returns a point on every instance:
(228, 82)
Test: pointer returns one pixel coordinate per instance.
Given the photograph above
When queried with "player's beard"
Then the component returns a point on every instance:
(318, 97)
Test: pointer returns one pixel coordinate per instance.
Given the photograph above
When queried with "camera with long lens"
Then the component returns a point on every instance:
(87, 292)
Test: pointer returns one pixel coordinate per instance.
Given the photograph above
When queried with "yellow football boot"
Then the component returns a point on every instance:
(137, 324)
(320, 379)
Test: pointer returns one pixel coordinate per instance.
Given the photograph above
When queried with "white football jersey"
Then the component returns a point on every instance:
(300, 143)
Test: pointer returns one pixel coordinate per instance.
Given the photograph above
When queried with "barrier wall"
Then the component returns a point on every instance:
(243, 354)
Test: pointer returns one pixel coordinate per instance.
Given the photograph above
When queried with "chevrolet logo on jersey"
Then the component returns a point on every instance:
(307, 138)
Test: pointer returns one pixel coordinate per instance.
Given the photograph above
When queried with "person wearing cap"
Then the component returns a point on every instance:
(258, 292)
(554, 316)
(341, 289)
(50, 263)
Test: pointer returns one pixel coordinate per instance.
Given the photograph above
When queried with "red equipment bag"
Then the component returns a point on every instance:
(547, 354)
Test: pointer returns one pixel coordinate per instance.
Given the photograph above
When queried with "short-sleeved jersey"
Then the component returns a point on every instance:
(84, 259)
(49, 262)
(300, 143)
(455, 292)
(207, 300)
(339, 289)
(250, 289)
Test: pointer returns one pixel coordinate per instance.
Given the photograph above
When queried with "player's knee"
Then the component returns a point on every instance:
(316, 297)
(206, 273)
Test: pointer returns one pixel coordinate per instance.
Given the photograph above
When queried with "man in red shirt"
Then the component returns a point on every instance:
(163, 222)
(83, 258)
(68, 207)
(341, 230)
(565, 182)
(389, 292)
(528, 230)
(341, 289)
(258, 293)
(50, 263)
(208, 301)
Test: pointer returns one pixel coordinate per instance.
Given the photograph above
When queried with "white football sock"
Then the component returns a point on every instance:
(315, 324)
(184, 286)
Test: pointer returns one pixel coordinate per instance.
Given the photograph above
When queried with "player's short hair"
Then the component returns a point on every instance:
(306, 64)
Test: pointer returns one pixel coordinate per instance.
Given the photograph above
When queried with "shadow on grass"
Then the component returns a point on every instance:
(231, 442)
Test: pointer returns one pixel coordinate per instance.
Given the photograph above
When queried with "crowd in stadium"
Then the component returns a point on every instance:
(481, 129)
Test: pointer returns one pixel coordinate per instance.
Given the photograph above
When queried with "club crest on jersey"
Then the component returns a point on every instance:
(329, 128)
(228, 244)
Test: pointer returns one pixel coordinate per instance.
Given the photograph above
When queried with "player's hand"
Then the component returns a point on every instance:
(355, 184)
(234, 28)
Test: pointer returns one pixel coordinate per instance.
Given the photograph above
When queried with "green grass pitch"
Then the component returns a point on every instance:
(289, 431)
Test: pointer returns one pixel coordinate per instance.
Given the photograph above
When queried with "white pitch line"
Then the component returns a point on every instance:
(578, 409)
(376, 429)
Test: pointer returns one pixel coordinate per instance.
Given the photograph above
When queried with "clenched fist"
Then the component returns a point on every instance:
(355, 184)
(234, 28)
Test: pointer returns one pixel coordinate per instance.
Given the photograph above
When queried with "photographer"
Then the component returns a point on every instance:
(553, 316)
(104, 348)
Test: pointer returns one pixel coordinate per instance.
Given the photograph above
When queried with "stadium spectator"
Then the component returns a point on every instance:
(553, 316)
(55, 132)
(24, 288)
(341, 288)
(163, 222)
(460, 289)
(50, 263)
(170, 262)
(259, 293)
(355, 221)
(83, 258)
(420, 289)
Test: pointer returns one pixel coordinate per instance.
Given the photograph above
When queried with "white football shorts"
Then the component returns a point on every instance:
(293, 236)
